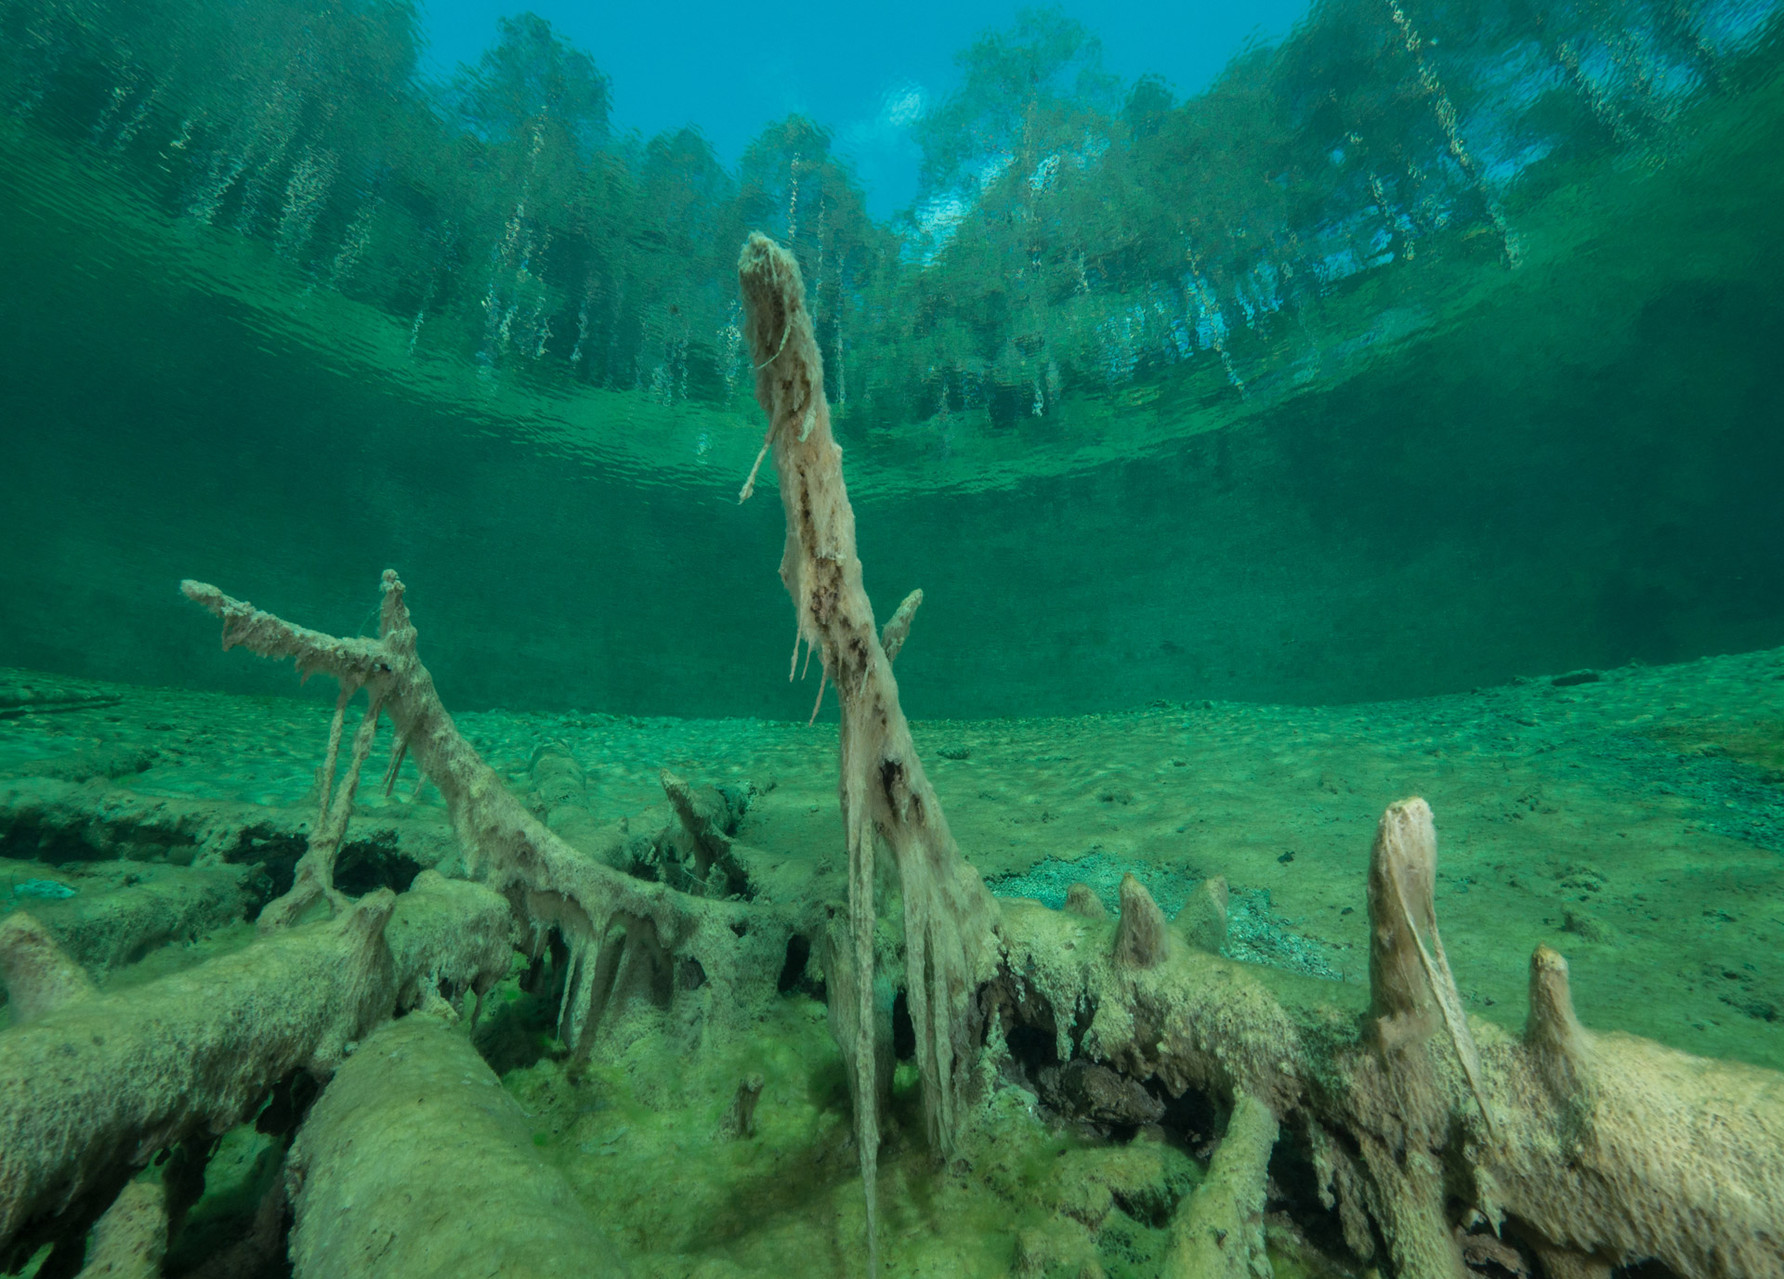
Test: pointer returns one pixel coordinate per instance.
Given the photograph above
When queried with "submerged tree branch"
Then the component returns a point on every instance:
(622, 932)
(949, 917)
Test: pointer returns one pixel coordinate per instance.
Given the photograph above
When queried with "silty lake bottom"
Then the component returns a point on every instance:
(1338, 826)
(1630, 820)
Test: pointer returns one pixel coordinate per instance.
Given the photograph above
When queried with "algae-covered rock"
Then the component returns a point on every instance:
(416, 1162)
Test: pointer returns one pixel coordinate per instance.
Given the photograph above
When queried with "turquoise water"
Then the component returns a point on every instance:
(1397, 413)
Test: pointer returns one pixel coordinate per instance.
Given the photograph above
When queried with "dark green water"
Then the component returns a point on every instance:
(1539, 432)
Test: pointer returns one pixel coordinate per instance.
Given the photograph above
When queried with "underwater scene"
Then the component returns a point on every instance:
(1088, 643)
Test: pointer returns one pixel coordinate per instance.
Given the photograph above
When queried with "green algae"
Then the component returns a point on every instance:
(1567, 814)
(637, 1135)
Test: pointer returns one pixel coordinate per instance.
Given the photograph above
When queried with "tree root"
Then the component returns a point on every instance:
(131, 1238)
(1602, 1149)
(1218, 1232)
(706, 817)
(415, 1162)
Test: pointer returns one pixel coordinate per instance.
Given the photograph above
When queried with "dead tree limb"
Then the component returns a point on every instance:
(91, 1089)
(949, 917)
(130, 1240)
(898, 626)
(1218, 1232)
(38, 975)
(416, 1162)
(624, 934)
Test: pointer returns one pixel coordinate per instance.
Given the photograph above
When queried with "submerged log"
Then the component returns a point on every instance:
(415, 1162)
(91, 1089)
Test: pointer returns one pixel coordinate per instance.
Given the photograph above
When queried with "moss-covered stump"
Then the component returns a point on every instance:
(1428, 1132)
(416, 1162)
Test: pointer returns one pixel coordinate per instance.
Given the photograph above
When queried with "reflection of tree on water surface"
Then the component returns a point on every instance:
(1072, 234)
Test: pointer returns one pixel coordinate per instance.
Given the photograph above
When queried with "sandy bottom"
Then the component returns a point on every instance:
(1634, 822)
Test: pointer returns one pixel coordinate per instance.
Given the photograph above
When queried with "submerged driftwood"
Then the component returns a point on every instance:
(94, 1086)
(195, 1053)
(1218, 1232)
(130, 1240)
(415, 1162)
(1405, 1117)
(949, 917)
(624, 935)
(1430, 1134)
